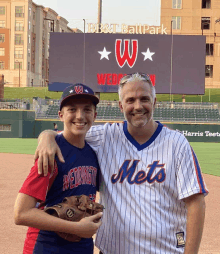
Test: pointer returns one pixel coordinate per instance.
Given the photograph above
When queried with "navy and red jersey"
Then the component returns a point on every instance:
(78, 175)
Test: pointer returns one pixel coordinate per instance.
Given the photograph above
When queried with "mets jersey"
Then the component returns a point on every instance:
(143, 187)
(77, 176)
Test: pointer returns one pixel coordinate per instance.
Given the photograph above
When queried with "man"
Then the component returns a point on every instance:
(153, 189)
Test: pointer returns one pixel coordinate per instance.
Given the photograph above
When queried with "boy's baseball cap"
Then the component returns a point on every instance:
(78, 91)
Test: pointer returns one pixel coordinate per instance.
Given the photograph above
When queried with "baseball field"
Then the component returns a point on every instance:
(16, 156)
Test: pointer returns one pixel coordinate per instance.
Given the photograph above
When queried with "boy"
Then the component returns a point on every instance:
(76, 176)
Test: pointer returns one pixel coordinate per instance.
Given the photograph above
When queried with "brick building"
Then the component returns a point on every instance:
(24, 41)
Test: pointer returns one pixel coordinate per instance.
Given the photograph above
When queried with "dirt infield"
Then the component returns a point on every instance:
(15, 167)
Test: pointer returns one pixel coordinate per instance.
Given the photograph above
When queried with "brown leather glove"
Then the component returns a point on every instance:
(74, 208)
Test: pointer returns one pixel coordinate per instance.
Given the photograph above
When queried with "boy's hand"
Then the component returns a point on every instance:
(46, 150)
(88, 226)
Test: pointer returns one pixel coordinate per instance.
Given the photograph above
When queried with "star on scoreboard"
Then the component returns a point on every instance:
(104, 54)
(148, 54)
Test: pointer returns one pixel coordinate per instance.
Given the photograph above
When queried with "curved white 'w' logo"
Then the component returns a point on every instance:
(126, 57)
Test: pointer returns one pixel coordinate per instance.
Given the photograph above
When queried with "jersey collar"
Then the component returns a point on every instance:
(135, 143)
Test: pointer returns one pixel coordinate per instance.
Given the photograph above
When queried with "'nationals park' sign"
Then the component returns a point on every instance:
(175, 63)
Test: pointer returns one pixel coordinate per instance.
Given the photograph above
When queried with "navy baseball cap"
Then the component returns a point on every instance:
(78, 91)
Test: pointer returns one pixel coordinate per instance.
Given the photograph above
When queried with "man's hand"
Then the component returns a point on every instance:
(46, 150)
(88, 226)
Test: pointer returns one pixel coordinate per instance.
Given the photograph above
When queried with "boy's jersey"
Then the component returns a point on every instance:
(77, 176)
(143, 189)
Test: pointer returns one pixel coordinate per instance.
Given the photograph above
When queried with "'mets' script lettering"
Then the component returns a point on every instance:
(141, 176)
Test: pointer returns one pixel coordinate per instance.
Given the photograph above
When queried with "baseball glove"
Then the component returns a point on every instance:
(74, 208)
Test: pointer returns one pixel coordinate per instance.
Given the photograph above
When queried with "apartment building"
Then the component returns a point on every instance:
(25, 29)
(197, 17)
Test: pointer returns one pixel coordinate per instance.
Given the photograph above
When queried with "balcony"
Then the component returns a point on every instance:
(19, 42)
(19, 15)
(19, 28)
(19, 56)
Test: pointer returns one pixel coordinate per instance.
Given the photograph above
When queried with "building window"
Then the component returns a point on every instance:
(2, 65)
(176, 24)
(29, 25)
(2, 51)
(209, 71)
(19, 26)
(29, 39)
(209, 49)
(2, 38)
(28, 65)
(205, 23)
(2, 10)
(2, 23)
(18, 65)
(206, 4)
(29, 52)
(19, 39)
(177, 4)
(5, 127)
(19, 53)
(33, 15)
(19, 11)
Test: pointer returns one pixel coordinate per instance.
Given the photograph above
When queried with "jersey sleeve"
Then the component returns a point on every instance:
(189, 176)
(95, 136)
(37, 185)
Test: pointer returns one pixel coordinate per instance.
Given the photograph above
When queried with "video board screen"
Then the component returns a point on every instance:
(176, 64)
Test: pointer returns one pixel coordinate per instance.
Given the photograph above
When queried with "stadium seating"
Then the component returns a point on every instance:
(164, 111)
(171, 114)
(52, 111)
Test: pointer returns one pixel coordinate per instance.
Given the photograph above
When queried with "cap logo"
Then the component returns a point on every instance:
(78, 89)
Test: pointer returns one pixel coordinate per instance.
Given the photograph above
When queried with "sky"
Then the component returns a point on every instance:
(128, 12)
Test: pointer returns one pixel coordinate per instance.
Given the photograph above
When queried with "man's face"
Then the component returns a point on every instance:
(137, 103)
(78, 116)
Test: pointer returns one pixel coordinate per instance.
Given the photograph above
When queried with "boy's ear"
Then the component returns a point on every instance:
(60, 113)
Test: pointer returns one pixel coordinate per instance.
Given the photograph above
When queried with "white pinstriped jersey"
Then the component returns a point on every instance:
(143, 188)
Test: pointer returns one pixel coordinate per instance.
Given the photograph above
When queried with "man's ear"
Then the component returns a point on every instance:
(120, 106)
(155, 100)
(95, 115)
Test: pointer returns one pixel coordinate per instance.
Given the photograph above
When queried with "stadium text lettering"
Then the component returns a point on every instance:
(200, 134)
(113, 79)
(125, 29)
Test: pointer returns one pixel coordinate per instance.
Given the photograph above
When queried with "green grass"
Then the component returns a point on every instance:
(42, 92)
(207, 153)
(18, 145)
(208, 156)
(29, 93)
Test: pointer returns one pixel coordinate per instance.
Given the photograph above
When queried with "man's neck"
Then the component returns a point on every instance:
(143, 134)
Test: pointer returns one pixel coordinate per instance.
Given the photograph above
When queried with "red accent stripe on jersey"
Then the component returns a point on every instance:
(30, 240)
(199, 174)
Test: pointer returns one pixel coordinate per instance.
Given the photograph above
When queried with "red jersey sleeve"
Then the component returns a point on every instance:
(37, 185)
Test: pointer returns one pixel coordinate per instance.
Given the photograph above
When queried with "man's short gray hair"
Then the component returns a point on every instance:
(136, 77)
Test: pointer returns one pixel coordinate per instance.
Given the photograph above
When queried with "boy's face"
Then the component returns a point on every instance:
(78, 116)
